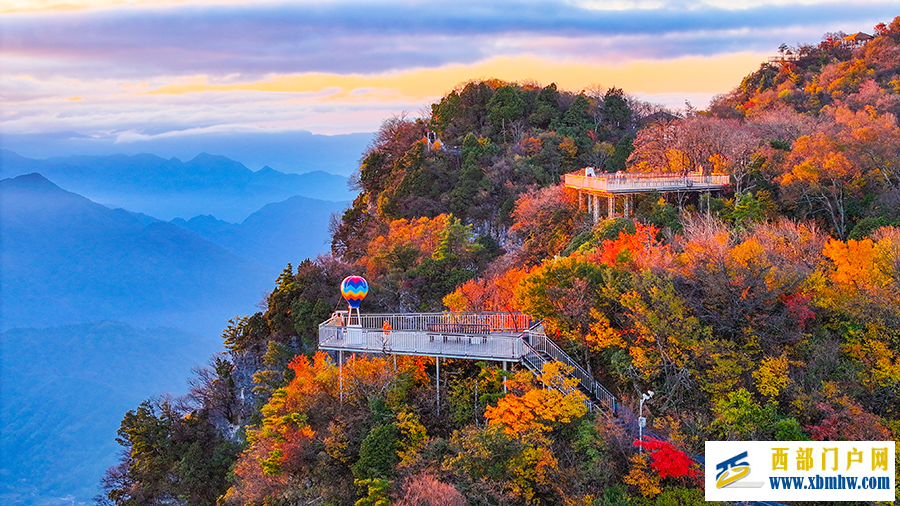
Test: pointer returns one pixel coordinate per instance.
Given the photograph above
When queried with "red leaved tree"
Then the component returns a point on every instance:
(668, 462)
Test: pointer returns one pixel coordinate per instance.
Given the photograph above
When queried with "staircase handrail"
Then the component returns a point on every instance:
(536, 336)
(534, 361)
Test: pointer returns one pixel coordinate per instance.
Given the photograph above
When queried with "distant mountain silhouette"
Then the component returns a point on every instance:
(67, 259)
(291, 152)
(282, 232)
(167, 189)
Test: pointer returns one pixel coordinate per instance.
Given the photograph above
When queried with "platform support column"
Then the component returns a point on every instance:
(596, 208)
(627, 206)
(611, 205)
(504, 378)
(341, 374)
(437, 383)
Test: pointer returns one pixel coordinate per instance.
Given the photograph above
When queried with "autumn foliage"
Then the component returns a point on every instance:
(667, 461)
(539, 409)
(768, 311)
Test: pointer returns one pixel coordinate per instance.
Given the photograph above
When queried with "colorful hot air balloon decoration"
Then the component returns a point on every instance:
(354, 290)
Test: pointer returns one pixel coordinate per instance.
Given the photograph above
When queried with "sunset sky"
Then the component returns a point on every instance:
(133, 70)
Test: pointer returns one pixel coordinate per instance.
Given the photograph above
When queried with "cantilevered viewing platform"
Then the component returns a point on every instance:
(500, 337)
(592, 186)
(482, 336)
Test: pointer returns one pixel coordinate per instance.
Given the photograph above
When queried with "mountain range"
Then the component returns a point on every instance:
(170, 188)
(292, 152)
(104, 307)
(278, 233)
(67, 259)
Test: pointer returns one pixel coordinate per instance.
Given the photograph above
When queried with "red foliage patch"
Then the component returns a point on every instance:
(668, 462)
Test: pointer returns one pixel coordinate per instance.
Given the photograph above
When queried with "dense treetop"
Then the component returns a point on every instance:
(485, 144)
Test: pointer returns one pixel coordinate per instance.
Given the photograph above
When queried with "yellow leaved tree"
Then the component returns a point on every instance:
(537, 410)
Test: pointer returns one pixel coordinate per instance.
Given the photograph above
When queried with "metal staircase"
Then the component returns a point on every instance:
(540, 350)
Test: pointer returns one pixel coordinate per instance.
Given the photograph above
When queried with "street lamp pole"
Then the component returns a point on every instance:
(642, 422)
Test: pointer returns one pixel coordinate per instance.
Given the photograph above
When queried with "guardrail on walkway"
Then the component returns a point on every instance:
(640, 182)
(493, 322)
(501, 347)
(490, 336)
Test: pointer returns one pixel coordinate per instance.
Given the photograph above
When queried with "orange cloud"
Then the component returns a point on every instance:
(685, 75)
(10, 6)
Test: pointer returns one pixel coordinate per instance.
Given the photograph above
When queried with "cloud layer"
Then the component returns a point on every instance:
(340, 66)
(342, 37)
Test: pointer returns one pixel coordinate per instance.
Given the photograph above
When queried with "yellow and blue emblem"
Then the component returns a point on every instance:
(732, 470)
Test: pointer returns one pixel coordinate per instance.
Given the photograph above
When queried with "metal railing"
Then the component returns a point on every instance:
(493, 322)
(535, 362)
(645, 182)
(422, 342)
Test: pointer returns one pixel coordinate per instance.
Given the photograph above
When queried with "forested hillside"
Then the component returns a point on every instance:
(771, 312)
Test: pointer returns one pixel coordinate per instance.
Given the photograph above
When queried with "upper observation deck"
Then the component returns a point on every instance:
(640, 182)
